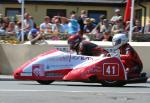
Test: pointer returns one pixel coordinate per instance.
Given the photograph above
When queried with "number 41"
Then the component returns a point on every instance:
(110, 70)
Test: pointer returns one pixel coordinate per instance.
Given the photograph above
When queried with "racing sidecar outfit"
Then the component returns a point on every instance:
(131, 60)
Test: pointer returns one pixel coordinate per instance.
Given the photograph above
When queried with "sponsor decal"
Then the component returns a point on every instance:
(64, 49)
(81, 58)
(38, 70)
(70, 58)
(111, 69)
(92, 70)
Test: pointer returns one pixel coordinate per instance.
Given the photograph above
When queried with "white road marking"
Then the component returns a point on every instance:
(121, 92)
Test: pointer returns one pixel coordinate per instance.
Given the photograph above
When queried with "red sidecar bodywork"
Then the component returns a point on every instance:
(57, 65)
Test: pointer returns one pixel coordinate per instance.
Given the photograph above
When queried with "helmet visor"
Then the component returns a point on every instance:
(116, 42)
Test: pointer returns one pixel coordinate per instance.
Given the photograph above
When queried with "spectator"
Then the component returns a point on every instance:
(89, 25)
(3, 28)
(6, 21)
(82, 17)
(28, 23)
(10, 30)
(105, 26)
(73, 25)
(53, 20)
(72, 12)
(34, 24)
(34, 36)
(116, 16)
(64, 23)
(137, 29)
(106, 36)
(46, 26)
(1, 19)
(57, 27)
(118, 27)
(147, 28)
(18, 30)
(97, 29)
(101, 18)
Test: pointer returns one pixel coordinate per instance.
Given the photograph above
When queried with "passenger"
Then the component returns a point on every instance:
(83, 47)
(129, 56)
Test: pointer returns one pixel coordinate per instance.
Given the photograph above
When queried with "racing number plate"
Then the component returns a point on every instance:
(111, 69)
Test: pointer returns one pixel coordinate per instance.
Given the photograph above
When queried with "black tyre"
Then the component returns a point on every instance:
(113, 83)
(45, 82)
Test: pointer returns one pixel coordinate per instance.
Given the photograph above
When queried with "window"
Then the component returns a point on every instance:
(138, 14)
(13, 11)
(56, 12)
(95, 14)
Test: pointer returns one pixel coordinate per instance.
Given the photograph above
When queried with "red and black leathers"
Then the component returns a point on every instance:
(90, 49)
(130, 59)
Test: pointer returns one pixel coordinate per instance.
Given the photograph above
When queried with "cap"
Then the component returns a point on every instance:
(34, 31)
(117, 10)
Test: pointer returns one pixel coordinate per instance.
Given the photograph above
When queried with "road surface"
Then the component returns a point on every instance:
(72, 92)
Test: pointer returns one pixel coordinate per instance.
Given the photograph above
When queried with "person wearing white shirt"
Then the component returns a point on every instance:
(46, 26)
(147, 28)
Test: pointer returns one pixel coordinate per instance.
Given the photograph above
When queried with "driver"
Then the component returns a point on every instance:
(128, 55)
(83, 47)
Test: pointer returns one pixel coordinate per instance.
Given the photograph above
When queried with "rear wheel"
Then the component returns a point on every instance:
(113, 83)
(45, 82)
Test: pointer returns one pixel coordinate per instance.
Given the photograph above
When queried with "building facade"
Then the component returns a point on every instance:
(40, 8)
(142, 11)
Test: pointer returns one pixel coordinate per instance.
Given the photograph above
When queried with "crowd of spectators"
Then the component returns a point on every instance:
(60, 28)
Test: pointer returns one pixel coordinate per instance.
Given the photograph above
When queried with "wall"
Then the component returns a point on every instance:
(13, 56)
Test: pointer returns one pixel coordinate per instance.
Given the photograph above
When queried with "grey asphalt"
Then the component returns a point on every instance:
(71, 92)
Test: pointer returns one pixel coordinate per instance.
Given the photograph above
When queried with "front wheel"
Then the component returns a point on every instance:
(45, 82)
(113, 83)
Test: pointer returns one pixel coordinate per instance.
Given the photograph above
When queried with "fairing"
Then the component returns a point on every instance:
(57, 65)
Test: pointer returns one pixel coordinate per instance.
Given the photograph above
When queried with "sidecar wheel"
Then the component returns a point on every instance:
(106, 83)
(45, 82)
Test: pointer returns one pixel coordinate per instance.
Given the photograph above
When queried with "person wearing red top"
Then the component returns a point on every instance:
(128, 55)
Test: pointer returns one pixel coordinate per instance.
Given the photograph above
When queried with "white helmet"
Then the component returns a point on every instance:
(119, 40)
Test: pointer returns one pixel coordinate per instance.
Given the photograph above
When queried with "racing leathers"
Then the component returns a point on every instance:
(131, 60)
(90, 49)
